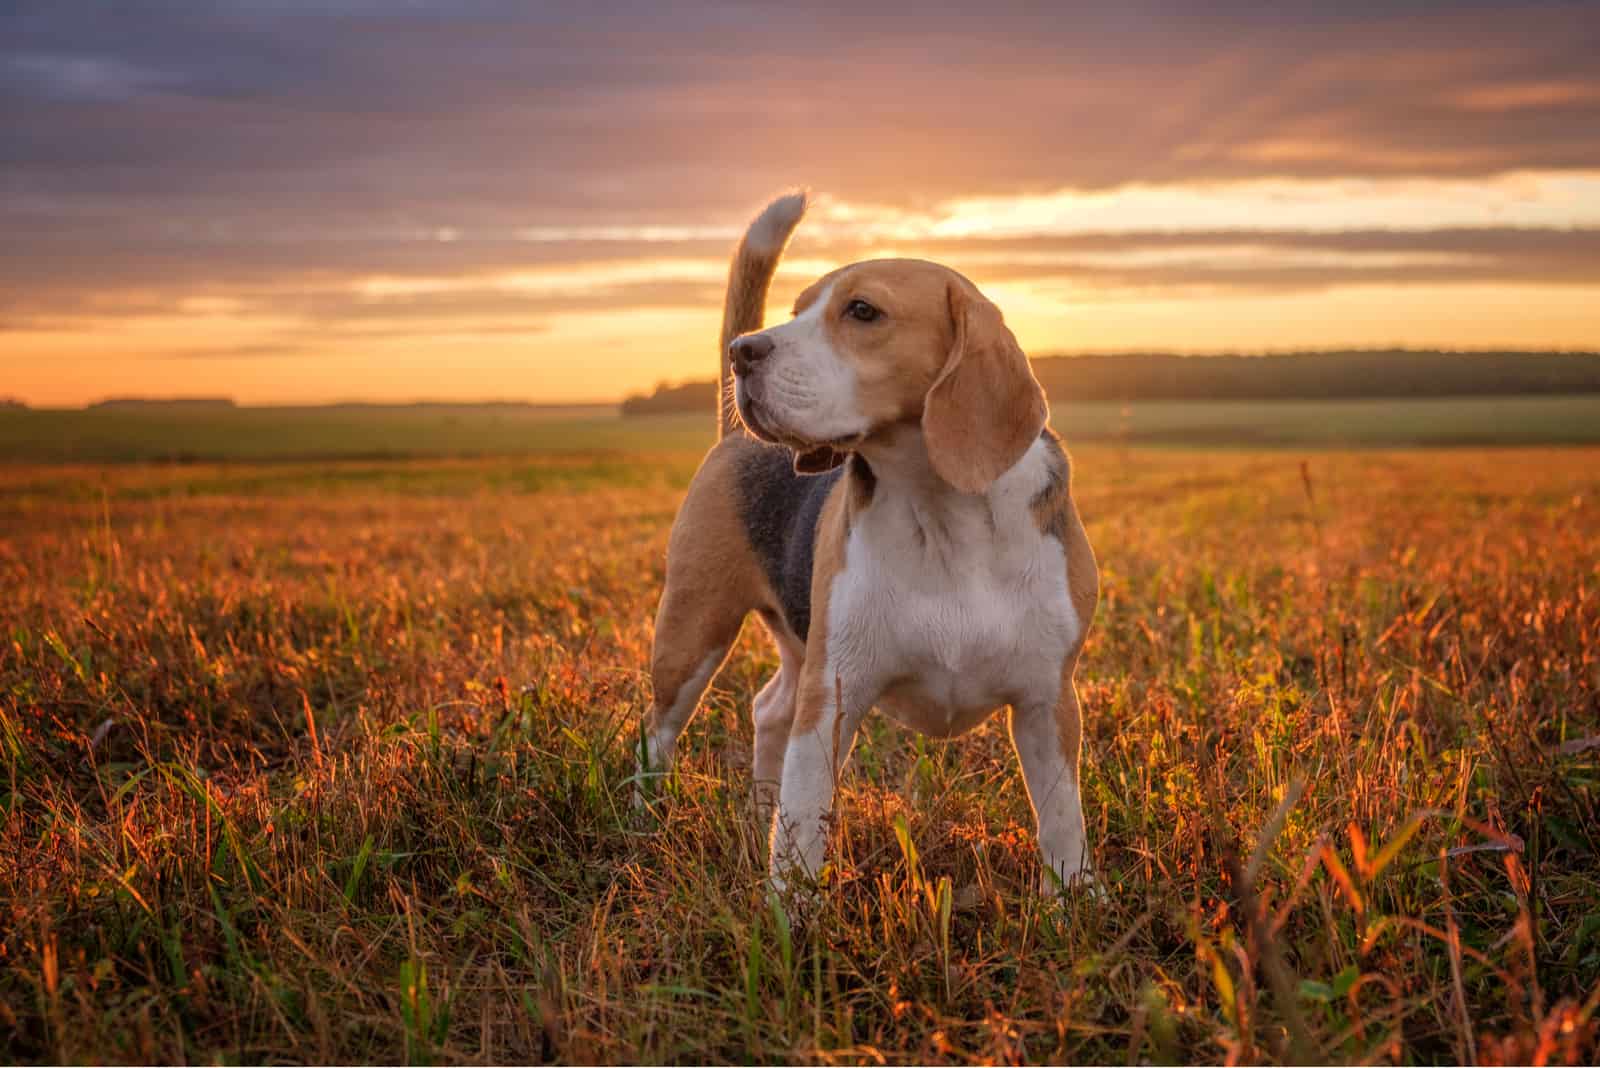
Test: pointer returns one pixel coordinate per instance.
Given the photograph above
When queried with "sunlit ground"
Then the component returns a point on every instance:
(301, 766)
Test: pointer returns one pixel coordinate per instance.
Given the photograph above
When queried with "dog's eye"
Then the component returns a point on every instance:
(861, 311)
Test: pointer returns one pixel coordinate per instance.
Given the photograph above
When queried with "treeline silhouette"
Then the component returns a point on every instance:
(1154, 376)
(162, 404)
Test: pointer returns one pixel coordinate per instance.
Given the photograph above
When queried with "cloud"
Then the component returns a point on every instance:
(487, 293)
(260, 113)
(1534, 96)
(284, 155)
(79, 78)
(253, 351)
(102, 258)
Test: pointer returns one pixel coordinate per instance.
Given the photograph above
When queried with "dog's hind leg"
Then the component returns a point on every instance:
(694, 631)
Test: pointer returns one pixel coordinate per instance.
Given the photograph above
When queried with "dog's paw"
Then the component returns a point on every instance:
(648, 788)
(1081, 884)
(784, 881)
(797, 897)
(791, 882)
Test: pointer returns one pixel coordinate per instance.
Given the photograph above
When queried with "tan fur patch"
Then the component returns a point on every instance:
(1056, 514)
(985, 409)
(1069, 719)
(713, 577)
(896, 358)
(816, 692)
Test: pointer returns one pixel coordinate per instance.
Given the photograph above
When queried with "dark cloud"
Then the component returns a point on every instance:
(78, 278)
(1267, 261)
(475, 309)
(1537, 256)
(273, 151)
(262, 113)
(308, 310)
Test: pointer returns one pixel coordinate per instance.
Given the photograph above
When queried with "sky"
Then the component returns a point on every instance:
(285, 201)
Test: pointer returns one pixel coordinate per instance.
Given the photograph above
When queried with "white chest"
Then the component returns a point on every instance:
(943, 618)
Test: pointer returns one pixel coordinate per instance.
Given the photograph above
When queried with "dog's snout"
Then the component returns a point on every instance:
(749, 350)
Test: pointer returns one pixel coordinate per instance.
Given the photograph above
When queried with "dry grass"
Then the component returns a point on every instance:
(304, 767)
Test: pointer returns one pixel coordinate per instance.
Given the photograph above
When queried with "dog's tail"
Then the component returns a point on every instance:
(748, 280)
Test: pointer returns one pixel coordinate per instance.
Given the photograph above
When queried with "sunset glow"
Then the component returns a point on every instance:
(551, 230)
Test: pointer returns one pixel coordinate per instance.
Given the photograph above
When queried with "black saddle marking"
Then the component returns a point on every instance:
(780, 510)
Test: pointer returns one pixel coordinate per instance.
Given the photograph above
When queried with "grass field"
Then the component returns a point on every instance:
(355, 433)
(330, 762)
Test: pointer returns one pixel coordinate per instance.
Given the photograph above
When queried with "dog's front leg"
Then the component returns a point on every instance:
(773, 713)
(825, 723)
(1048, 736)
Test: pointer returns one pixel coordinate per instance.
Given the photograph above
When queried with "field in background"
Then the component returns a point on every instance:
(355, 432)
(330, 762)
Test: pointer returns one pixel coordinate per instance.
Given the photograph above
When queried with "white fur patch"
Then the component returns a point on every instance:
(950, 605)
(805, 387)
(1052, 782)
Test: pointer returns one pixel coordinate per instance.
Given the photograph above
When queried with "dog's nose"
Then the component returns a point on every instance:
(749, 350)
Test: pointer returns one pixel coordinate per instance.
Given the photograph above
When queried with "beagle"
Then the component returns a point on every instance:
(901, 519)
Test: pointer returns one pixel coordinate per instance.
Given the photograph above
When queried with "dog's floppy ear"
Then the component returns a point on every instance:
(817, 460)
(985, 409)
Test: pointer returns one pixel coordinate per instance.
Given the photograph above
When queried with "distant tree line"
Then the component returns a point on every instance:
(1151, 376)
(138, 404)
(687, 397)
(1317, 375)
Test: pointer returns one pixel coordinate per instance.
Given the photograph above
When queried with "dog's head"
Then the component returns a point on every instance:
(886, 343)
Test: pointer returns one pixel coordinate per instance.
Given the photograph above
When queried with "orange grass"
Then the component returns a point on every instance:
(324, 764)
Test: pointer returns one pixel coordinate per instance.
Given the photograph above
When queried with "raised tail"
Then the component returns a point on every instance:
(754, 264)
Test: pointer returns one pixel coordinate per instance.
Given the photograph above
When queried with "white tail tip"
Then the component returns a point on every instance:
(771, 229)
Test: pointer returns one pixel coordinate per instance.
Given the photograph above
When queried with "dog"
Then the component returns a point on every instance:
(900, 517)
